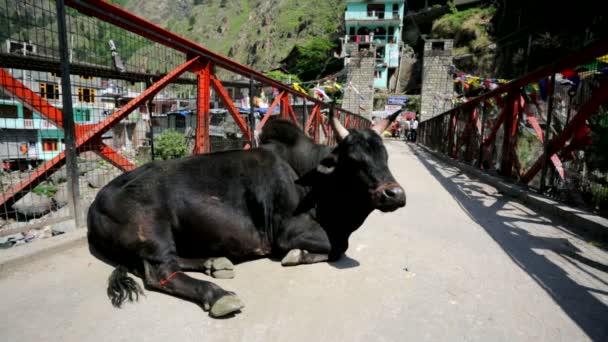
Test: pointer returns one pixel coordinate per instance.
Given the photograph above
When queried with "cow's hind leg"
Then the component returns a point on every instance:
(221, 268)
(169, 279)
(163, 274)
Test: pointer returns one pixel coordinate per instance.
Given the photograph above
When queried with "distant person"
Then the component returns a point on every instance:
(414, 128)
(406, 129)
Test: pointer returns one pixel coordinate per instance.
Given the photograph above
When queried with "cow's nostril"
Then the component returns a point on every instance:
(389, 193)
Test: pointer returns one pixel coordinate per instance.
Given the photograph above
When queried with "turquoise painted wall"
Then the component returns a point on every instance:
(358, 10)
(45, 129)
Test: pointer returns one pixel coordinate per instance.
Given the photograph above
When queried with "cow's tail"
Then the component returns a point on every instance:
(121, 287)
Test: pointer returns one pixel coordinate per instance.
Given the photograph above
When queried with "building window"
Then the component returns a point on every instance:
(83, 77)
(49, 145)
(438, 45)
(82, 115)
(55, 74)
(86, 95)
(375, 10)
(27, 113)
(49, 91)
(8, 111)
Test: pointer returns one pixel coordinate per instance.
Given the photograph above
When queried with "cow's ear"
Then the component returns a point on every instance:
(328, 164)
(326, 167)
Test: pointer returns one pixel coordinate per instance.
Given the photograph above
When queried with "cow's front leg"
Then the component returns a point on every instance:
(304, 242)
(221, 268)
(300, 257)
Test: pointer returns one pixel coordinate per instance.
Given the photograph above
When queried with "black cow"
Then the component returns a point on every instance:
(290, 198)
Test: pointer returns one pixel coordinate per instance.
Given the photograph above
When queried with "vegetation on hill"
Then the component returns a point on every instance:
(472, 41)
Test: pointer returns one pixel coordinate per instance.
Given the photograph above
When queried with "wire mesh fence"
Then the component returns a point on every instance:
(558, 111)
(133, 100)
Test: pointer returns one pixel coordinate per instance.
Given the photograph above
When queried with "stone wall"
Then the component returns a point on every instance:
(361, 74)
(437, 83)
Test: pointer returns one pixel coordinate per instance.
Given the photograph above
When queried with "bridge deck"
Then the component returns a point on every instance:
(460, 262)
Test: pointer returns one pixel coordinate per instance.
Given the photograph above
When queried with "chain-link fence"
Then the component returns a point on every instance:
(546, 130)
(133, 93)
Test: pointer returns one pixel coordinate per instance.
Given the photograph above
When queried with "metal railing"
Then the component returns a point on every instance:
(88, 90)
(540, 130)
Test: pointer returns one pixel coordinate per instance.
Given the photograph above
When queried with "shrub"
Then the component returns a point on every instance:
(170, 145)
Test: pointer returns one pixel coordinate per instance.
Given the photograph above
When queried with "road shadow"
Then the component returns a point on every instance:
(526, 248)
(345, 262)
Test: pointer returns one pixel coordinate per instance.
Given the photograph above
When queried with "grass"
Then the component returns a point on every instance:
(45, 189)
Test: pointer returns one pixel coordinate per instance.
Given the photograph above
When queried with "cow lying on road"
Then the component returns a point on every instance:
(289, 198)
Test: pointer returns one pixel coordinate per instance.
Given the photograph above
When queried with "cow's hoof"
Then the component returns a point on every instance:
(292, 258)
(226, 305)
(223, 274)
(221, 268)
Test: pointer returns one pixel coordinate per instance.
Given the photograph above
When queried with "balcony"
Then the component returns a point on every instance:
(370, 38)
(374, 17)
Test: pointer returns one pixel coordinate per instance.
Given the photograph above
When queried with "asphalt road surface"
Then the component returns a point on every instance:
(459, 263)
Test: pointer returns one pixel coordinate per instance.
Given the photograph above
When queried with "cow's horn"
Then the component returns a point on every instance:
(384, 123)
(336, 125)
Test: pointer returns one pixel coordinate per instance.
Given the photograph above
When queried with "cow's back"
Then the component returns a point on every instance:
(233, 197)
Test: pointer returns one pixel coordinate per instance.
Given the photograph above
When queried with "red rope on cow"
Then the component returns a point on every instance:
(163, 282)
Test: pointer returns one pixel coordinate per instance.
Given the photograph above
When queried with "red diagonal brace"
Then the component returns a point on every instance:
(113, 157)
(219, 88)
(89, 137)
(42, 106)
(497, 124)
(270, 110)
(103, 127)
(600, 95)
(35, 178)
(29, 98)
(311, 119)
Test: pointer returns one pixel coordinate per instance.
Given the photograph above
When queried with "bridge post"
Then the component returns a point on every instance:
(71, 153)
(452, 133)
(510, 127)
(547, 156)
(203, 104)
(253, 140)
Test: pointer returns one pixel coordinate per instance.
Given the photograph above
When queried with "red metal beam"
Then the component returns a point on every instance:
(270, 111)
(202, 142)
(119, 17)
(596, 49)
(452, 132)
(497, 124)
(135, 103)
(42, 106)
(311, 119)
(284, 105)
(236, 116)
(88, 138)
(511, 114)
(291, 114)
(113, 157)
(47, 110)
(600, 95)
(34, 178)
(465, 137)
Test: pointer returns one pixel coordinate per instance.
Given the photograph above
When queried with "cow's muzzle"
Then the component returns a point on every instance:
(389, 197)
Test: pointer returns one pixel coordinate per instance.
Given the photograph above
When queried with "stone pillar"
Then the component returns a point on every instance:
(437, 83)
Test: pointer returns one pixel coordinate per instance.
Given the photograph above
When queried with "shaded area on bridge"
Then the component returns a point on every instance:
(459, 262)
(536, 249)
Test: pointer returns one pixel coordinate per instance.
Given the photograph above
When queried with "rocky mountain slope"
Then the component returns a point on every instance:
(258, 33)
